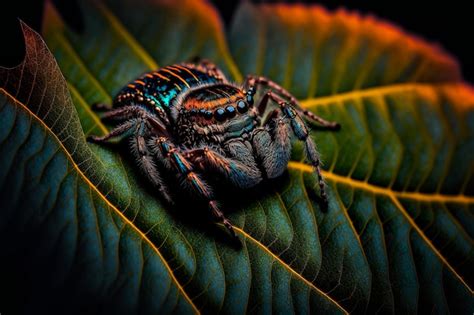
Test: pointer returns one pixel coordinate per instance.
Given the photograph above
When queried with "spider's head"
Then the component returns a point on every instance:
(214, 113)
(216, 104)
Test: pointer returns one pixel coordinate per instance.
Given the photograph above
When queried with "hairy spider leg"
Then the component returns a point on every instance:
(255, 81)
(115, 133)
(262, 106)
(127, 112)
(131, 111)
(301, 131)
(185, 169)
(272, 143)
(139, 126)
(122, 113)
(242, 171)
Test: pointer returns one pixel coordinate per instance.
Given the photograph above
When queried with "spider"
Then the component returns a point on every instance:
(189, 119)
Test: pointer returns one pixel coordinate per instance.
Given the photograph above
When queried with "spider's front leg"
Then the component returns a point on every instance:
(301, 131)
(253, 81)
(165, 148)
(239, 167)
(272, 144)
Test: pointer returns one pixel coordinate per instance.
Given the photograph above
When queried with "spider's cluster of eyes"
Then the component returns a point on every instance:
(220, 114)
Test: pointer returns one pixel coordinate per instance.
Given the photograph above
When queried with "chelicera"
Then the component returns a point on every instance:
(188, 118)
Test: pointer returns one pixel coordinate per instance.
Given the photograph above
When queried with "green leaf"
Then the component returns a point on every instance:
(397, 236)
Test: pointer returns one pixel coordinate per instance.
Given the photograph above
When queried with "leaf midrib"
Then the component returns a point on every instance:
(365, 185)
(287, 267)
(372, 91)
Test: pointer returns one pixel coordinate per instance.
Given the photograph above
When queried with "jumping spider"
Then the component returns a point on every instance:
(190, 119)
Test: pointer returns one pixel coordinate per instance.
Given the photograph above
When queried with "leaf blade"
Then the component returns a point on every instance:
(364, 254)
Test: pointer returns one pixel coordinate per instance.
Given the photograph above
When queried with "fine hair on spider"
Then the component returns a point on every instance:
(189, 119)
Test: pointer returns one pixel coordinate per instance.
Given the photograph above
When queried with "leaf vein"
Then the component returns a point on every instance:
(287, 267)
(99, 193)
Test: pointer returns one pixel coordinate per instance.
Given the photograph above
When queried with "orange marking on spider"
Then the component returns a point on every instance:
(176, 76)
(189, 71)
(159, 75)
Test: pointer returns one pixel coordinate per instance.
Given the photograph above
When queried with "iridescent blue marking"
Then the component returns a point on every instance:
(167, 97)
(157, 102)
(180, 163)
(165, 147)
(198, 186)
(289, 112)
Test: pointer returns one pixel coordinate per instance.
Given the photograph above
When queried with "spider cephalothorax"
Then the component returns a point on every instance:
(188, 118)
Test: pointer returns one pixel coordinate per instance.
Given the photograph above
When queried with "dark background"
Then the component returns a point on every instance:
(447, 23)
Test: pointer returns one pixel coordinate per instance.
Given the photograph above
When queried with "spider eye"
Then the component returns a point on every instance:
(205, 113)
(230, 111)
(242, 106)
(219, 114)
(208, 114)
(250, 94)
(250, 99)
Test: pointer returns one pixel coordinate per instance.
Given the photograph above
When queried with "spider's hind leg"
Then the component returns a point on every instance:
(144, 156)
(138, 127)
(301, 131)
(133, 116)
(115, 133)
(121, 113)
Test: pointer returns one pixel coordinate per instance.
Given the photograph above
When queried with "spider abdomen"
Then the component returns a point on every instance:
(157, 89)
